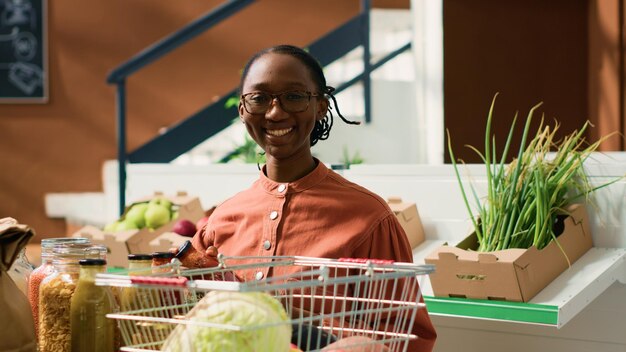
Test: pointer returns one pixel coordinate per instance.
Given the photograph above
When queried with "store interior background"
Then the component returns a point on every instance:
(566, 53)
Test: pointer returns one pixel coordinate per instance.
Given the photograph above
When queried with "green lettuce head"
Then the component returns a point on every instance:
(250, 321)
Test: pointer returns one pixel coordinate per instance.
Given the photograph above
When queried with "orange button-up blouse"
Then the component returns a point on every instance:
(320, 215)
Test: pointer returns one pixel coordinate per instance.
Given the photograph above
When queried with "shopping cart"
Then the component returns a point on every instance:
(371, 305)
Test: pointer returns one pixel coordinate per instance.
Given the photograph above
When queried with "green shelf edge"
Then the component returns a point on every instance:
(499, 310)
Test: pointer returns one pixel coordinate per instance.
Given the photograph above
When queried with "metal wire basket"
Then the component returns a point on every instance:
(325, 300)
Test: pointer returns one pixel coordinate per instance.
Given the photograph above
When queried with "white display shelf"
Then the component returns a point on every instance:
(555, 305)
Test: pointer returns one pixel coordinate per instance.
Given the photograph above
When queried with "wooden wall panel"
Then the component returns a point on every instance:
(529, 51)
(606, 70)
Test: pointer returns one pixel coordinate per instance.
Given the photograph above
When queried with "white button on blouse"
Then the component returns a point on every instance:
(282, 188)
(273, 215)
(259, 275)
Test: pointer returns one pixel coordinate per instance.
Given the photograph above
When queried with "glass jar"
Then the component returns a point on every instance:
(43, 270)
(192, 258)
(89, 326)
(20, 271)
(55, 294)
(159, 259)
(132, 298)
(139, 264)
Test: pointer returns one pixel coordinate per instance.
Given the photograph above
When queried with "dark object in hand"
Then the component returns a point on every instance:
(310, 337)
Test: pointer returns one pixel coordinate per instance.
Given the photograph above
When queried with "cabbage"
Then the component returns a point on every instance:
(250, 309)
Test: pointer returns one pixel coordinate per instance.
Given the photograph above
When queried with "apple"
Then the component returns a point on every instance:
(157, 215)
(184, 227)
(200, 223)
(136, 214)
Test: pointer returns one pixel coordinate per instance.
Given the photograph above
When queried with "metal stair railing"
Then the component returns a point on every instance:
(166, 45)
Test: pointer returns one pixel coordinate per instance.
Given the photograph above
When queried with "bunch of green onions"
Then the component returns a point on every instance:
(525, 197)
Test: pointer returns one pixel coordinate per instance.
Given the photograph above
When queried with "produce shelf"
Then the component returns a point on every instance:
(555, 305)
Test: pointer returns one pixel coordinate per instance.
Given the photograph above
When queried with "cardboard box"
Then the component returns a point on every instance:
(167, 240)
(188, 208)
(409, 220)
(511, 274)
(117, 250)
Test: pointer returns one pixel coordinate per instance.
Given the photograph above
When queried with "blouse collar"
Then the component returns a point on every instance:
(313, 178)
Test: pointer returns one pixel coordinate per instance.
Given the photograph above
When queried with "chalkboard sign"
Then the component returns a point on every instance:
(23, 51)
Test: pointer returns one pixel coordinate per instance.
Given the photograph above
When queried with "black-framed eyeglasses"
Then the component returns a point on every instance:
(257, 103)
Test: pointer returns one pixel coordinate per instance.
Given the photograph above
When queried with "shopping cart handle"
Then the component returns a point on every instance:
(366, 260)
(167, 281)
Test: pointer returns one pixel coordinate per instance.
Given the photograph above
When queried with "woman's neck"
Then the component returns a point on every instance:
(289, 170)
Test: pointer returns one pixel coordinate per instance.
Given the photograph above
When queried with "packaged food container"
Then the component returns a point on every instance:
(43, 270)
(191, 258)
(159, 259)
(139, 265)
(89, 326)
(55, 295)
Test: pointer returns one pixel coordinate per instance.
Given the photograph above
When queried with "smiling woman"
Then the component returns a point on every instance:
(298, 206)
(285, 109)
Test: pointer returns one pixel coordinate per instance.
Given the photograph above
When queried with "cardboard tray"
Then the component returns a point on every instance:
(122, 243)
(512, 274)
(117, 250)
(409, 220)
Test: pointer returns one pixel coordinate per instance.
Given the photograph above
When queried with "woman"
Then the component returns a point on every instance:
(298, 206)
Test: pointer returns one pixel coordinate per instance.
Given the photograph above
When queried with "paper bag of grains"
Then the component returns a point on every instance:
(17, 331)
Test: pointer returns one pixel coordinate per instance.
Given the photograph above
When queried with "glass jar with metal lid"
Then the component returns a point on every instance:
(45, 269)
(55, 294)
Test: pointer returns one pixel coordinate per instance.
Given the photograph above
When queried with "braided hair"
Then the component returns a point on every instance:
(322, 127)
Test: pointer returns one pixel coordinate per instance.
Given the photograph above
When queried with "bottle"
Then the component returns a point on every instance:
(140, 301)
(132, 298)
(55, 295)
(191, 258)
(139, 264)
(43, 270)
(90, 329)
(161, 261)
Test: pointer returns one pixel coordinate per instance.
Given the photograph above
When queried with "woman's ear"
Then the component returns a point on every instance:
(241, 111)
(322, 108)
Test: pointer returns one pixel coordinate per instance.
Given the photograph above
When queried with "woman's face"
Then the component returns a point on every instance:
(282, 135)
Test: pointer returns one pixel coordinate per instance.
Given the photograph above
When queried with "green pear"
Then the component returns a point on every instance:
(136, 214)
(162, 201)
(126, 225)
(175, 215)
(111, 227)
(157, 215)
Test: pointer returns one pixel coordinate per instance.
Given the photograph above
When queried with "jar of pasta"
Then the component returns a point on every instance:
(43, 270)
(55, 295)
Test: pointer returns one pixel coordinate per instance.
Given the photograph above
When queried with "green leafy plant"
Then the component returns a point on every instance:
(348, 160)
(525, 197)
(248, 152)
